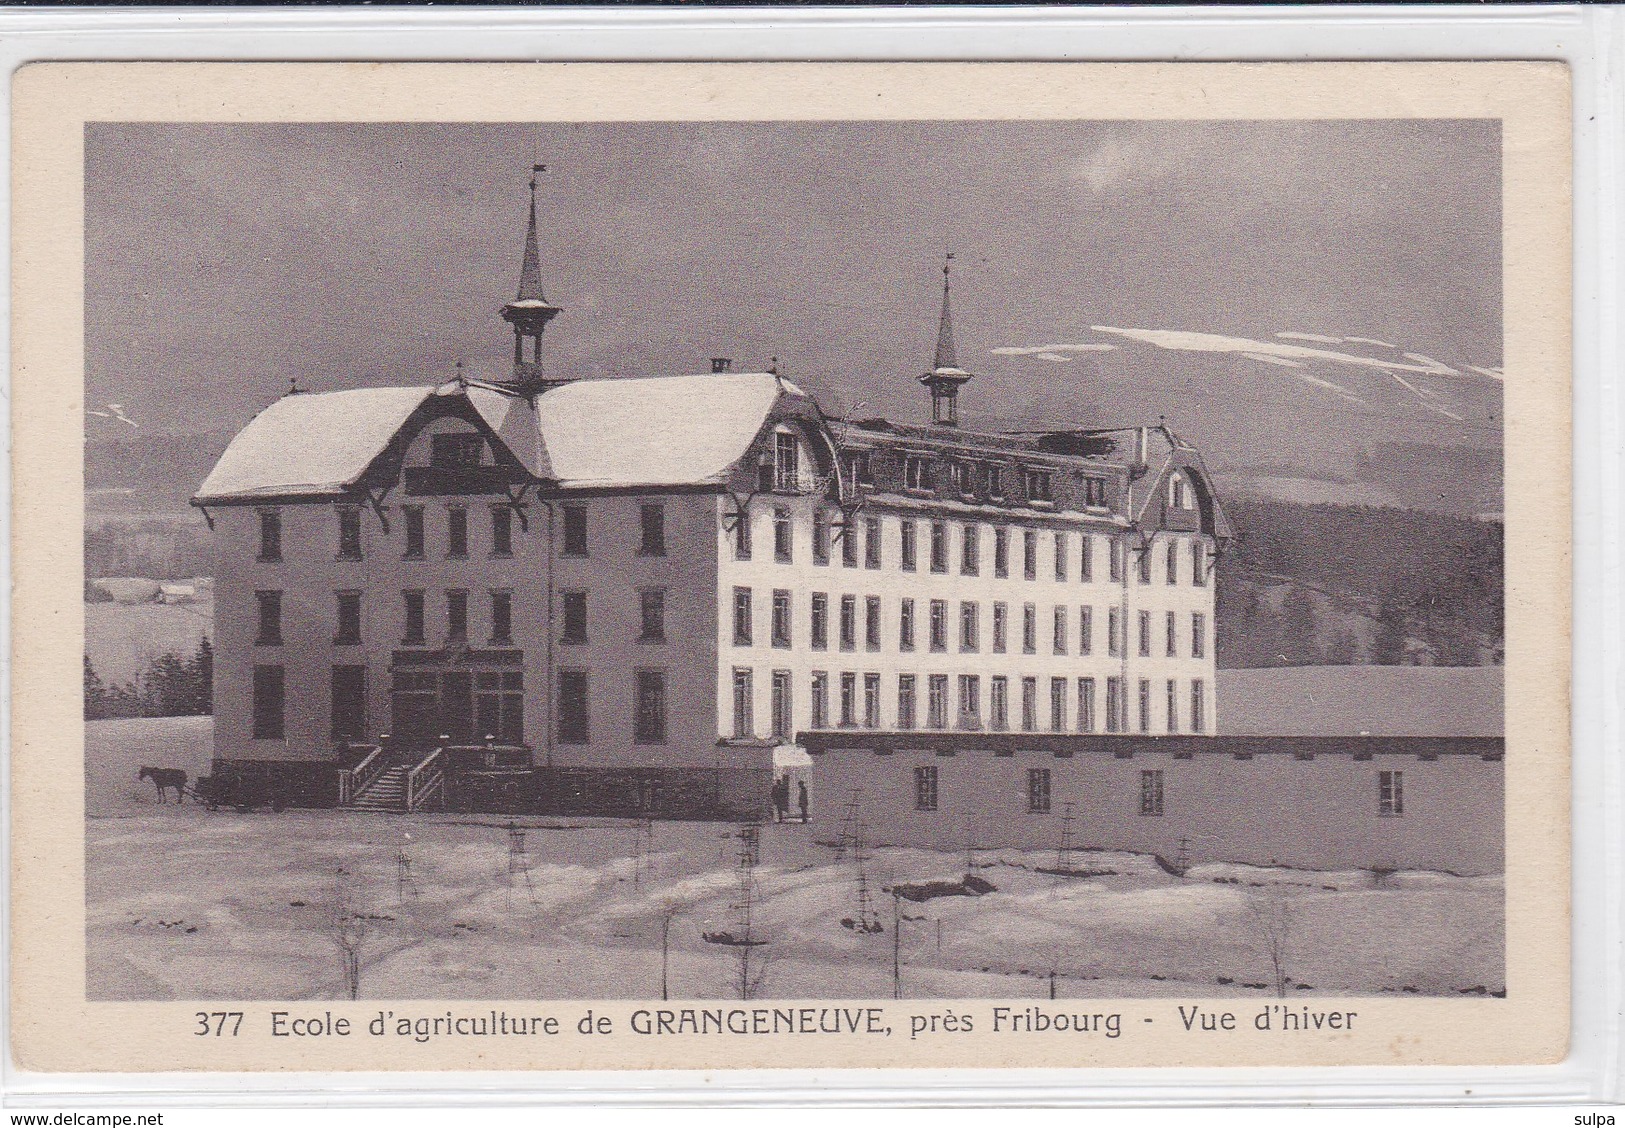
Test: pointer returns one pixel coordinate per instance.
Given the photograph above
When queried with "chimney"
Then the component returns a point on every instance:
(722, 364)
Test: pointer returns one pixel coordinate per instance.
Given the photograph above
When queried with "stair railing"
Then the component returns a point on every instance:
(424, 780)
(353, 781)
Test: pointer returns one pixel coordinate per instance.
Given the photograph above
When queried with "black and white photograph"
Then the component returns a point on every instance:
(794, 560)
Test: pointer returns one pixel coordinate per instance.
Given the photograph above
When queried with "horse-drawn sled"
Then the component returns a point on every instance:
(240, 792)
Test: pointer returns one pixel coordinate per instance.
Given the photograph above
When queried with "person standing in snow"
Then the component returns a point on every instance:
(801, 796)
(781, 798)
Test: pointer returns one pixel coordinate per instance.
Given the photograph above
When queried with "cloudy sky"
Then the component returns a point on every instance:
(1270, 287)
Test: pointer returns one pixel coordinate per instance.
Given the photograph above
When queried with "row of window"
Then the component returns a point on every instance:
(483, 705)
(347, 630)
(828, 528)
(857, 703)
(651, 531)
(781, 633)
(927, 791)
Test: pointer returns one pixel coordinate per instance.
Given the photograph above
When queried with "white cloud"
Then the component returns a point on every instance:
(1492, 373)
(1311, 337)
(1268, 359)
(1369, 341)
(1052, 352)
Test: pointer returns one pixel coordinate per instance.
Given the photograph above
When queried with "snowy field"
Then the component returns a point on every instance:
(185, 904)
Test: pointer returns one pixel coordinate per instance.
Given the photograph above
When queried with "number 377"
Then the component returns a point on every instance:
(214, 1022)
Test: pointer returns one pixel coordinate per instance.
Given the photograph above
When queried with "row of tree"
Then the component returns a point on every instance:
(171, 686)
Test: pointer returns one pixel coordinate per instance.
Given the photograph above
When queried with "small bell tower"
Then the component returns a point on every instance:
(945, 377)
(530, 312)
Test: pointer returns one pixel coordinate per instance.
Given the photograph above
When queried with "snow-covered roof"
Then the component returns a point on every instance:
(665, 430)
(311, 443)
(656, 431)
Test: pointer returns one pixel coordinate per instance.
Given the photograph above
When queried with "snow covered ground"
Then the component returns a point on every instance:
(188, 904)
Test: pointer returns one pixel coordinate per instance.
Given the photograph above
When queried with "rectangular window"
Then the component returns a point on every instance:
(1038, 485)
(1029, 704)
(742, 616)
(1060, 556)
(857, 468)
(1173, 562)
(1038, 791)
(820, 620)
(1151, 793)
(1001, 627)
(1198, 563)
(939, 624)
(849, 700)
(783, 539)
(456, 615)
(575, 530)
(998, 703)
(1086, 562)
(652, 526)
(1198, 717)
(1143, 557)
(1391, 794)
(1114, 705)
(917, 473)
(348, 715)
(910, 546)
(849, 622)
(849, 543)
(413, 515)
(270, 534)
(1057, 704)
(1094, 492)
(925, 788)
(652, 615)
(960, 477)
(349, 532)
(970, 702)
(456, 531)
(348, 632)
(785, 459)
(1086, 704)
(905, 701)
(268, 703)
(1145, 634)
(1086, 631)
(1059, 640)
(501, 618)
(574, 606)
(572, 707)
(742, 544)
(871, 622)
(871, 542)
(744, 719)
(905, 625)
(995, 481)
(936, 701)
(1198, 635)
(1001, 551)
(1173, 705)
(821, 536)
(781, 618)
(871, 701)
(1170, 625)
(783, 716)
(939, 547)
(499, 705)
(1029, 555)
(1029, 629)
(970, 550)
(457, 451)
(1114, 555)
(1145, 704)
(820, 699)
(412, 635)
(1114, 632)
(969, 627)
(270, 618)
(502, 530)
(649, 725)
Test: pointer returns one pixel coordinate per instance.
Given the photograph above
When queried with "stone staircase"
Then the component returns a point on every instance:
(385, 793)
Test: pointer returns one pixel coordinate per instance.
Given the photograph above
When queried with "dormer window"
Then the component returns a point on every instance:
(995, 482)
(1179, 493)
(1094, 493)
(786, 454)
(959, 476)
(857, 468)
(917, 473)
(1039, 486)
(456, 451)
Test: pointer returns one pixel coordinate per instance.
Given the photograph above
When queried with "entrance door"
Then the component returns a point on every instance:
(457, 705)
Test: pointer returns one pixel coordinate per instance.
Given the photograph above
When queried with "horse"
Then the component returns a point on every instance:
(166, 777)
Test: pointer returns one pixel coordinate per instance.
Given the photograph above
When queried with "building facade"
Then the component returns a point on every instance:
(642, 587)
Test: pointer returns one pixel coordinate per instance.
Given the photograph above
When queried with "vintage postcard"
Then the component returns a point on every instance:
(752, 565)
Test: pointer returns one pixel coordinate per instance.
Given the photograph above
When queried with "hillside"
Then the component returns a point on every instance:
(1361, 701)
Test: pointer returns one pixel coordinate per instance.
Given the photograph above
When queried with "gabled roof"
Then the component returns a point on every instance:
(657, 431)
(311, 443)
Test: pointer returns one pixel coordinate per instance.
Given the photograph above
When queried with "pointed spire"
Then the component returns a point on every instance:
(530, 273)
(946, 356)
